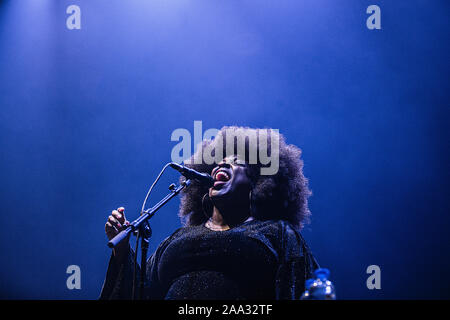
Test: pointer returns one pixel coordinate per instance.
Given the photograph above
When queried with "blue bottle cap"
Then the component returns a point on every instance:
(322, 273)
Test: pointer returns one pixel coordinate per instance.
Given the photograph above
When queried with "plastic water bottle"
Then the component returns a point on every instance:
(319, 288)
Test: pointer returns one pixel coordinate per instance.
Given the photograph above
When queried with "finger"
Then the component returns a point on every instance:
(119, 216)
(109, 227)
(115, 222)
(110, 230)
(122, 212)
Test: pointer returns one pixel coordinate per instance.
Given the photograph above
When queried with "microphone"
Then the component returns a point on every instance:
(203, 178)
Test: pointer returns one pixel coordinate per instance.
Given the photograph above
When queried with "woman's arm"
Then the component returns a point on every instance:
(118, 283)
(296, 264)
(119, 277)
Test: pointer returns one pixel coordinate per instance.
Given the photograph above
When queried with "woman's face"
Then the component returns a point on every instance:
(231, 182)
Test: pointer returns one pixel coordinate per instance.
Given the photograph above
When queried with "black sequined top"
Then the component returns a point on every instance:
(255, 260)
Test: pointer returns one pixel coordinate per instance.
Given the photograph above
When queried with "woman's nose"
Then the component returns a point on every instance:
(223, 164)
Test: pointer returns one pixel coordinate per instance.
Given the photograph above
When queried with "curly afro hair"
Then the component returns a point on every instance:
(279, 196)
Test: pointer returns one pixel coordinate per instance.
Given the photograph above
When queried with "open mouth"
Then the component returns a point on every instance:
(221, 177)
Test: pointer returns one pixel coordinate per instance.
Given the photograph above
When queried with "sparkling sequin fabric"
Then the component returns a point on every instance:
(256, 260)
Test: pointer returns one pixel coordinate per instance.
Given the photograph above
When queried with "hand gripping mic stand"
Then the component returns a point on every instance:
(141, 226)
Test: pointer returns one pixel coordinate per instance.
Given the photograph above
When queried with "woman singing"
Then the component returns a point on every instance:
(240, 238)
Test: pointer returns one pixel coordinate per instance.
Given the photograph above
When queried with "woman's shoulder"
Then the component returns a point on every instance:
(283, 227)
(284, 236)
(166, 242)
(188, 230)
(177, 233)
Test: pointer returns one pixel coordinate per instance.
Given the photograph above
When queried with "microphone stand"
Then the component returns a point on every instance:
(141, 226)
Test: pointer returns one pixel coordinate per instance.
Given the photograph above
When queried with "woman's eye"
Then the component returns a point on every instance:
(239, 162)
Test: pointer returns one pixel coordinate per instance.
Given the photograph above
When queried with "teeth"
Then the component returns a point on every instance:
(224, 173)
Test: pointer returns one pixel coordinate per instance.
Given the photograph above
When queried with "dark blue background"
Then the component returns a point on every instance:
(86, 118)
